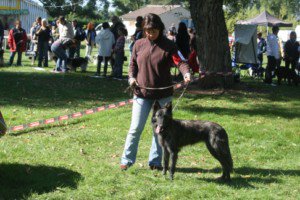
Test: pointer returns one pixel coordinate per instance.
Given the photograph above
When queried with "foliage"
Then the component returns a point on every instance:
(79, 159)
(244, 9)
(82, 10)
(125, 6)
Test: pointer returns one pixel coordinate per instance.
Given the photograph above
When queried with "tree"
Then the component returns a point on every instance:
(61, 7)
(125, 6)
(212, 41)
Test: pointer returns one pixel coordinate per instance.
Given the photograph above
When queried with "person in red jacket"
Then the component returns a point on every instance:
(17, 39)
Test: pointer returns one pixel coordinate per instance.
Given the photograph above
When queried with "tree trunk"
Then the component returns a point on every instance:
(212, 42)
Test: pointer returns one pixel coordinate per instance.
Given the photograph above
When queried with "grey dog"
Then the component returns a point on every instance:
(174, 134)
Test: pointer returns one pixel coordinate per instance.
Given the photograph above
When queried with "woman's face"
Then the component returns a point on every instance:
(18, 24)
(152, 34)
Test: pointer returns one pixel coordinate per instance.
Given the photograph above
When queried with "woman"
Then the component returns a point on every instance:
(17, 40)
(90, 39)
(44, 35)
(138, 34)
(59, 49)
(105, 40)
(151, 61)
(119, 53)
(183, 40)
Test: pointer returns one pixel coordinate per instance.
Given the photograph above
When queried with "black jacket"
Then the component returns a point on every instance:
(291, 50)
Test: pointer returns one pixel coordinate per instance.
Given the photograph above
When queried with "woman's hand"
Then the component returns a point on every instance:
(187, 78)
(132, 82)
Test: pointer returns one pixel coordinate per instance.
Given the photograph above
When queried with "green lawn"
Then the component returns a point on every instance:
(79, 158)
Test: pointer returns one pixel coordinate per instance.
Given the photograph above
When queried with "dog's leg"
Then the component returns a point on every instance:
(166, 160)
(174, 156)
(220, 150)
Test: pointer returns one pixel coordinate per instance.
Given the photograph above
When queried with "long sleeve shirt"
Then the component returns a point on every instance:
(66, 31)
(150, 65)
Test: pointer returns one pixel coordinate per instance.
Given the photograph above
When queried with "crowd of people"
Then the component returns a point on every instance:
(63, 39)
(276, 52)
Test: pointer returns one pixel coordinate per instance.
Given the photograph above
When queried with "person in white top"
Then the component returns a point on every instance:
(273, 53)
(105, 40)
(65, 29)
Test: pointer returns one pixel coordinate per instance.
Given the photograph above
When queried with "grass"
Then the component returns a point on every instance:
(79, 159)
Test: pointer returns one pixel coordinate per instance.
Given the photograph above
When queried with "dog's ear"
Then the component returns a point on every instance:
(168, 105)
(156, 106)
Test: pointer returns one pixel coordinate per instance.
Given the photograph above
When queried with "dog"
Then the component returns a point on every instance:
(174, 134)
(74, 63)
(284, 73)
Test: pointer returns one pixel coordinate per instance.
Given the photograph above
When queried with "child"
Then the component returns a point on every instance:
(119, 53)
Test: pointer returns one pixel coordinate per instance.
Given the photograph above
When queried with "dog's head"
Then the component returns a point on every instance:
(162, 117)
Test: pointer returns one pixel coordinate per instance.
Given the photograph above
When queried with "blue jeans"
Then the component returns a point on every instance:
(43, 53)
(140, 111)
(118, 68)
(60, 52)
(12, 56)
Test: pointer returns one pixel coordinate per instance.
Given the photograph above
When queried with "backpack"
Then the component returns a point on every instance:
(80, 34)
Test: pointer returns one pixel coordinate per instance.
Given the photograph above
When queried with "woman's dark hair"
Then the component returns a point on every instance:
(153, 21)
(183, 39)
(182, 29)
(123, 30)
(139, 19)
(105, 25)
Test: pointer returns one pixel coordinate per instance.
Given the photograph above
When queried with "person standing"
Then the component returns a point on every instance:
(273, 53)
(291, 53)
(138, 34)
(34, 38)
(183, 40)
(261, 48)
(1, 44)
(17, 40)
(1, 34)
(44, 36)
(105, 40)
(116, 24)
(151, 62)
(79, 35)
(65, 31)
(119, 53)
(90, 39)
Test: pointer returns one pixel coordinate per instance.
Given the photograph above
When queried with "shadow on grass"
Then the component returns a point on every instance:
(47, 90)
(249, 90)
(19, 181)
(247, 175)
(47, 127)
(266, 110)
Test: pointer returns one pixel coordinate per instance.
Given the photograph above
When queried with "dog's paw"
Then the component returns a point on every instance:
(223, 179)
